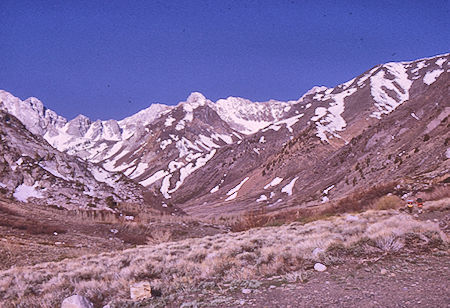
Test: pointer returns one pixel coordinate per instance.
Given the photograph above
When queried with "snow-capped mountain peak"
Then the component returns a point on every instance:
(196, 99)
(248, 117)
(31, 112)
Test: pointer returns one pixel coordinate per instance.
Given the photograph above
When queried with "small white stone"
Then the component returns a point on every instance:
(383, 271)
(320, 267)
(246, 291)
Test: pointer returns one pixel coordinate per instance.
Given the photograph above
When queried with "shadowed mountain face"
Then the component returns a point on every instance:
(388, 124)
(34, 171)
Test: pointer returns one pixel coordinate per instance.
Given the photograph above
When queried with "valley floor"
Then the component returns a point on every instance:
(373, 259)
(31, 234)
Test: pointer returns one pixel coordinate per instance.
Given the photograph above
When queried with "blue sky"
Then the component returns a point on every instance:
(110, 59)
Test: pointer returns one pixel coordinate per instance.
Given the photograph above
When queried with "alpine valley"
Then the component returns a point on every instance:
(388, 124)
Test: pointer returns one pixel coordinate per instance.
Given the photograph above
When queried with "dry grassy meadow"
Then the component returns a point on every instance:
(178, 268)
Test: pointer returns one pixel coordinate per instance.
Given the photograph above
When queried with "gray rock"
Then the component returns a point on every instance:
(246, 291)
(76, 301)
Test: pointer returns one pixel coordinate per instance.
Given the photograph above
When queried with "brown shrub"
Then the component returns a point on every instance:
(388, 202)
(159, 236)
(364, 199)
(38, 228)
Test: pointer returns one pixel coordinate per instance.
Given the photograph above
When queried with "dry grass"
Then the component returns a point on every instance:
(12, 219)
(438, 205)
(436, 193)
(180, 266)
(159, 236)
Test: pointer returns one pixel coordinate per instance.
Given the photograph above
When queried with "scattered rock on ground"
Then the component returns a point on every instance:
(351, 218)
(383, 271)
(141, 290)
(76, 301)
(317, 252)
(246, 291)
(320, 267)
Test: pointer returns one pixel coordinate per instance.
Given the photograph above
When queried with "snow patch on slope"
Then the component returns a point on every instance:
(430, 77)
(262, 198)
(248, 117)
(155, 177)
(330, 120)
(274, 182)
(289, 122)
(169, 121)
(53, 171)
(23, 192)
(191, 168)
(104, 176)
(288, 188)
(215, 189)
(234, 191)
(389, 93)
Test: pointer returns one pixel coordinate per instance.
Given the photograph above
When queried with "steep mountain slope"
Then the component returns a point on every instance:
(315, 144)
(32, 170)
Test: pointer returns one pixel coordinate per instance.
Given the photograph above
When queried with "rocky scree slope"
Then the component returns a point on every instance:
(33, 171)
